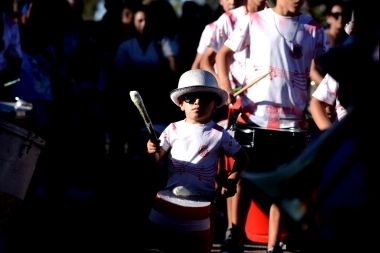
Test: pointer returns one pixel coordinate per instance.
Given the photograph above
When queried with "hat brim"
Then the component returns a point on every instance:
(222, 94)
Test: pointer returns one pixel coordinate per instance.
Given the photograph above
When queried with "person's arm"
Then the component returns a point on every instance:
(172, 63)
(318, 111)
(155, 151)
(229, 186)
(197, 61)
(323, 97)
(208, 61)
(204, 41)
(222, 61)
(315, 75)
(241, 162)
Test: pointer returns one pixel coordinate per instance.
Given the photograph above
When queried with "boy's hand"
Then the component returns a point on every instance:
(153, 147)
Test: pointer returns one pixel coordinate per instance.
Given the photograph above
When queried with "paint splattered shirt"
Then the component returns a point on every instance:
(286, 46)
(193, 153)
(327, 91)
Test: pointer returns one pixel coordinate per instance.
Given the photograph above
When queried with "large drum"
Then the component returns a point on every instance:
(19, 151)
(186, 220)
(268, 149)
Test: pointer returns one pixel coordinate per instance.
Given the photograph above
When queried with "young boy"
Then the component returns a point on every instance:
(193, 147)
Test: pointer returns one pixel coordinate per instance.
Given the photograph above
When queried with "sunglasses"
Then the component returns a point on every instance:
(204, 97)
(336, 15)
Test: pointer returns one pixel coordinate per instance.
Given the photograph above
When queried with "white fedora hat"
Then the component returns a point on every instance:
(198, 80)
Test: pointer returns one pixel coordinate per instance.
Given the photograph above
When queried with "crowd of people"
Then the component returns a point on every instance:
(78, 75)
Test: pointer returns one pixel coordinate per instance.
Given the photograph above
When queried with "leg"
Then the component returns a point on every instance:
(275, 228)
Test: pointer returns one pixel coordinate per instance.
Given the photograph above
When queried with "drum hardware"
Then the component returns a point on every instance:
(297, 119)
(244, 136)
(19, 106)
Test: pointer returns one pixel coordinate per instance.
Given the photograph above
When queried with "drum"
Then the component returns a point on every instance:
(19, 151)
(268, 149)
(186, 220)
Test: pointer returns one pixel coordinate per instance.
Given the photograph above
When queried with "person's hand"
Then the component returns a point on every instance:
(231, 99)
(153, 147)
(229, 188)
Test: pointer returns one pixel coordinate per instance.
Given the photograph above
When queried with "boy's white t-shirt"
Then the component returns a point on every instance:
(283, 93)
(206, 38)
(193, 153)
(327, 91)
(224, 26)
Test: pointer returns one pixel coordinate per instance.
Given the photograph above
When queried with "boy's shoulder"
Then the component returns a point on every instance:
(232, 14)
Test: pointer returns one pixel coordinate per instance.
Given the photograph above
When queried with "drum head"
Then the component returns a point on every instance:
(189, 202)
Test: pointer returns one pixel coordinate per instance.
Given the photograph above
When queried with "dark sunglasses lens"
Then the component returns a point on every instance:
(192, 97)
(336, 14)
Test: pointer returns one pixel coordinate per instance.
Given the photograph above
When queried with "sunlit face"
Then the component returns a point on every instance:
(198, 107)
(258, 2)
(289, 7)
(230, 4)
(140, 21)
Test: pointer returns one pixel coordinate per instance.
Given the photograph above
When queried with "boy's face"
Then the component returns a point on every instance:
(231, 4)
(290, 6)
(198, 106)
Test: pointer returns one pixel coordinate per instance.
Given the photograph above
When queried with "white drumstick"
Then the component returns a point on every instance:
(182, 191)
(137, 100)
(12, 82)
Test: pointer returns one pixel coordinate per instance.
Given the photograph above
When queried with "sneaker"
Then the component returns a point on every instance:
(230, 244)
(276, 249)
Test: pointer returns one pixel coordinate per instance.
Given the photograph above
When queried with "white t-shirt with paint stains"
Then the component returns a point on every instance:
(283, 93)
(327, 91)
(193, 153)
(224, 26)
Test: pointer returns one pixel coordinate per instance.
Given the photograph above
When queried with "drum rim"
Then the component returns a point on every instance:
(241, 126)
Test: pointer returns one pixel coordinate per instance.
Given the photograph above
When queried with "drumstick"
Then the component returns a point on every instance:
(182, 191)
(137, 100)
(252, 83)
(12, 82)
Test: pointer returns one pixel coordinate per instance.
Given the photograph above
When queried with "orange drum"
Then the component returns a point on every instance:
(185, 221)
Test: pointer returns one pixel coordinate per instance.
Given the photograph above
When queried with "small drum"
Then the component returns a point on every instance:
(19, 152)
(187, 220)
